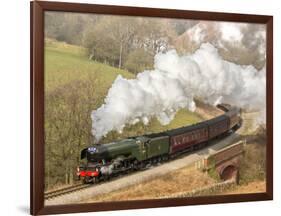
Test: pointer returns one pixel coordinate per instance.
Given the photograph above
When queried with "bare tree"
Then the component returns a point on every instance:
(68, 128)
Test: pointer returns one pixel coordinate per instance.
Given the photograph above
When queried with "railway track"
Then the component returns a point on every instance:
(66, 190)
(71, 189)
(137, 177)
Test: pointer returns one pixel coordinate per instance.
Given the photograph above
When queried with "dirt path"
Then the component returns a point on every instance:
(142, 176)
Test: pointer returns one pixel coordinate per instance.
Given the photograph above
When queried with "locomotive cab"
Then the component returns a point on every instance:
(94, 153)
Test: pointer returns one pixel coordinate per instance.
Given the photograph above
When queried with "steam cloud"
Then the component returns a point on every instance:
(173, 85)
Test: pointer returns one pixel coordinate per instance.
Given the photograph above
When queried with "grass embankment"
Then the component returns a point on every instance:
(251, 187)
(182, 180)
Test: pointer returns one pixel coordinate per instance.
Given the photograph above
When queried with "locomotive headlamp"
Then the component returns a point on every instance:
(92, 150)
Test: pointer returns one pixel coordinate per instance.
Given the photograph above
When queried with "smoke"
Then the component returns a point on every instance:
(173, 85)
(249, 39)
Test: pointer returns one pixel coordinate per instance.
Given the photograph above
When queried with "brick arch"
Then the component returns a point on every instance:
(229, 172)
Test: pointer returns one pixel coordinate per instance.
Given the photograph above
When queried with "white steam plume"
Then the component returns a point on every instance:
(172, 86)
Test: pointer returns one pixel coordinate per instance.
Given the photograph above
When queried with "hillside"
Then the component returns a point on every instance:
(65, 63)
(74, 87)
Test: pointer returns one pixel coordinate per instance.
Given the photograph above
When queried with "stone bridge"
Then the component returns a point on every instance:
(226, 161)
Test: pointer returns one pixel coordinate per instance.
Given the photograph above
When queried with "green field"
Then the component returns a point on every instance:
(74, 87)
(65, 63)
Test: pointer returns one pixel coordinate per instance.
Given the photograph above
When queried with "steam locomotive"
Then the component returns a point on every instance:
(104, 161)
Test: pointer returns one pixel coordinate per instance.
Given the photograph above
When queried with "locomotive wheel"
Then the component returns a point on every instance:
(165, 158)
(95, 180)
(141, 165)
(86, 180)
(106, 178)
(137, 165)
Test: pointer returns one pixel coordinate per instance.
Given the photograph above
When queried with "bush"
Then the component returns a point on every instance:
(138, 61)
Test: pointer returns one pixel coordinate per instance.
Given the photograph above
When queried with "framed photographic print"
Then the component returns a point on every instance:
(143, 107)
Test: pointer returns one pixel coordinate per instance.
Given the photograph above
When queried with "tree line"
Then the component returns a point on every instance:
(128, 43)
